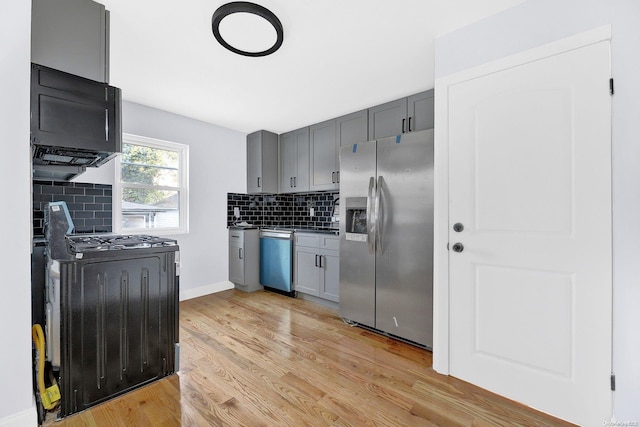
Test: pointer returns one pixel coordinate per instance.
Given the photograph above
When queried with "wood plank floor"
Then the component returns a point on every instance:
(262, 359)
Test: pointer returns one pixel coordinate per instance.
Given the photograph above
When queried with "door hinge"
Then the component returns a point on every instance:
(611, 91)
(613, 382)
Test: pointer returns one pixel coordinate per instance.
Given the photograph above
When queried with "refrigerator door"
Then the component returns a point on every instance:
(404, 247)
(357, 263)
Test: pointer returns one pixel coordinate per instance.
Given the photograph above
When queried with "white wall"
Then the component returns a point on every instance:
(534, 23)
(217, 166)
(16, 397)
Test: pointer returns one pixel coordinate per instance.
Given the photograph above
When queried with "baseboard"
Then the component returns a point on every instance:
(21, 419)
(186, 294)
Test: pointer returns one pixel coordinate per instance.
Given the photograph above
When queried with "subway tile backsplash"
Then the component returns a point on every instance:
(90, 205)
(283, 210)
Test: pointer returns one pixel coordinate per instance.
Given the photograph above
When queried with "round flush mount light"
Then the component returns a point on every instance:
(244, 28)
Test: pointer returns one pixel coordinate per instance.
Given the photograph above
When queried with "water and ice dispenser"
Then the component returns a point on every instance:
(356, 219)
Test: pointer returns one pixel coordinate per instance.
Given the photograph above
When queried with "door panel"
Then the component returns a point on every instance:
(404, 263)
(530, 180)
(357, 265)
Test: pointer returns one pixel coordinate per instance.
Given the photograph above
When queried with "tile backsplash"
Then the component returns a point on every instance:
(90, 205)
(284, 210)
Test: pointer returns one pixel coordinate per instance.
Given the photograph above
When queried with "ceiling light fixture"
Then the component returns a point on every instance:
(243, 7)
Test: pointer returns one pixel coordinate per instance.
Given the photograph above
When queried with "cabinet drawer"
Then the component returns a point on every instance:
(309, 240)
(331, 243)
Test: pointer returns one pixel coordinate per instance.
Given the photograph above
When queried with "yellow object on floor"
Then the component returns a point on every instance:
(50, 396)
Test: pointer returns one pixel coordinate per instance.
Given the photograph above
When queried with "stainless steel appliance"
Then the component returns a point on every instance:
(276, 266)
(386, 236)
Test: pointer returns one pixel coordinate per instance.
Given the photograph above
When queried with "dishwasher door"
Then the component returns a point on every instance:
(276, 253)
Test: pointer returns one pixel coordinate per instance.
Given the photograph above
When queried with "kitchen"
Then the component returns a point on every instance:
(204, 210)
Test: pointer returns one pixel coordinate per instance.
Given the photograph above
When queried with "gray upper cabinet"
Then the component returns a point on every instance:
(294, 161)
(352, 129)
(262, 162)
(388, 119)
(71, 36)
(420, 111)
(401, 116)
(323, 164)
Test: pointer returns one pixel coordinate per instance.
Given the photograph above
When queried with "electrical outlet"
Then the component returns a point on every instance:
(236, 212)
(312, 212)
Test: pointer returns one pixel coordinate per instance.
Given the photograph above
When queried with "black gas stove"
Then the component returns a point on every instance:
(111, 308)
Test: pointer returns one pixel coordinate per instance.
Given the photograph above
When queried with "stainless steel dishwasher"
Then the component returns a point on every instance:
(276, 266)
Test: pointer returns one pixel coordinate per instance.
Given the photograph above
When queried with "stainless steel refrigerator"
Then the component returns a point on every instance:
(386, 235)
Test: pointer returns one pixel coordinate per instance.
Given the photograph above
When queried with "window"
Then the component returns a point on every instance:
(151, 186)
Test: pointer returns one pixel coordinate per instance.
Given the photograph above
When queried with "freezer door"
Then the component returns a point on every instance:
(404, 248)
(357, 263)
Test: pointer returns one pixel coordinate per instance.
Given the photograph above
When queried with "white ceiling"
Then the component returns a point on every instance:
(338, 56)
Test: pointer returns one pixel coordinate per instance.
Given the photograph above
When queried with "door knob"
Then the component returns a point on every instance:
(458, 227)
(457, 247)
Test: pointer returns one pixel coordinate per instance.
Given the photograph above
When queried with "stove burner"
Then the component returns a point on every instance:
(110, 242)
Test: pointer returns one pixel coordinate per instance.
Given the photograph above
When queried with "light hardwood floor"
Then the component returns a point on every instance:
(262, 359)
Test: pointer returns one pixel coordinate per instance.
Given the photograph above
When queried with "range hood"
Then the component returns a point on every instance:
(75, 123)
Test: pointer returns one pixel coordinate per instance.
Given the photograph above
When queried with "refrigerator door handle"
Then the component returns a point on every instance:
(379, 215)
(370, 217)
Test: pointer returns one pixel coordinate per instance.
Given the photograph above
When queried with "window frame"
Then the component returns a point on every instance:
(182, 188)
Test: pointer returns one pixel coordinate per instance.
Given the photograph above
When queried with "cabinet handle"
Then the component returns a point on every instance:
(320, 260)
(333, 177)
(240, 253)
(258, 182)
(409, 124)
(295, 181)
(403, 122)
(316, 264)
(290, 182)
(338, 175)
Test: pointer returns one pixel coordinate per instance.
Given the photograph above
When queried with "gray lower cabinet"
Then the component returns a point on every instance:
(317, 265)
(403, 115)
(71, 36)
(244, 259)
(262, 162)
(294, 161)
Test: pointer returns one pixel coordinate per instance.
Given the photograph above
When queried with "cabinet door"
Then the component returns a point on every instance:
(352, 128)
(262, 162)
(71, 36)
(301, 178)
(388, 119)
(330, 276)
(420, 111)
(236, 257)
(288, 161)
(307, 274)
(323, 167)
(254, 163)
(294, 161)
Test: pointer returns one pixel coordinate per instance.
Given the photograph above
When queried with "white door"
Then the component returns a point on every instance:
(530, 183)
